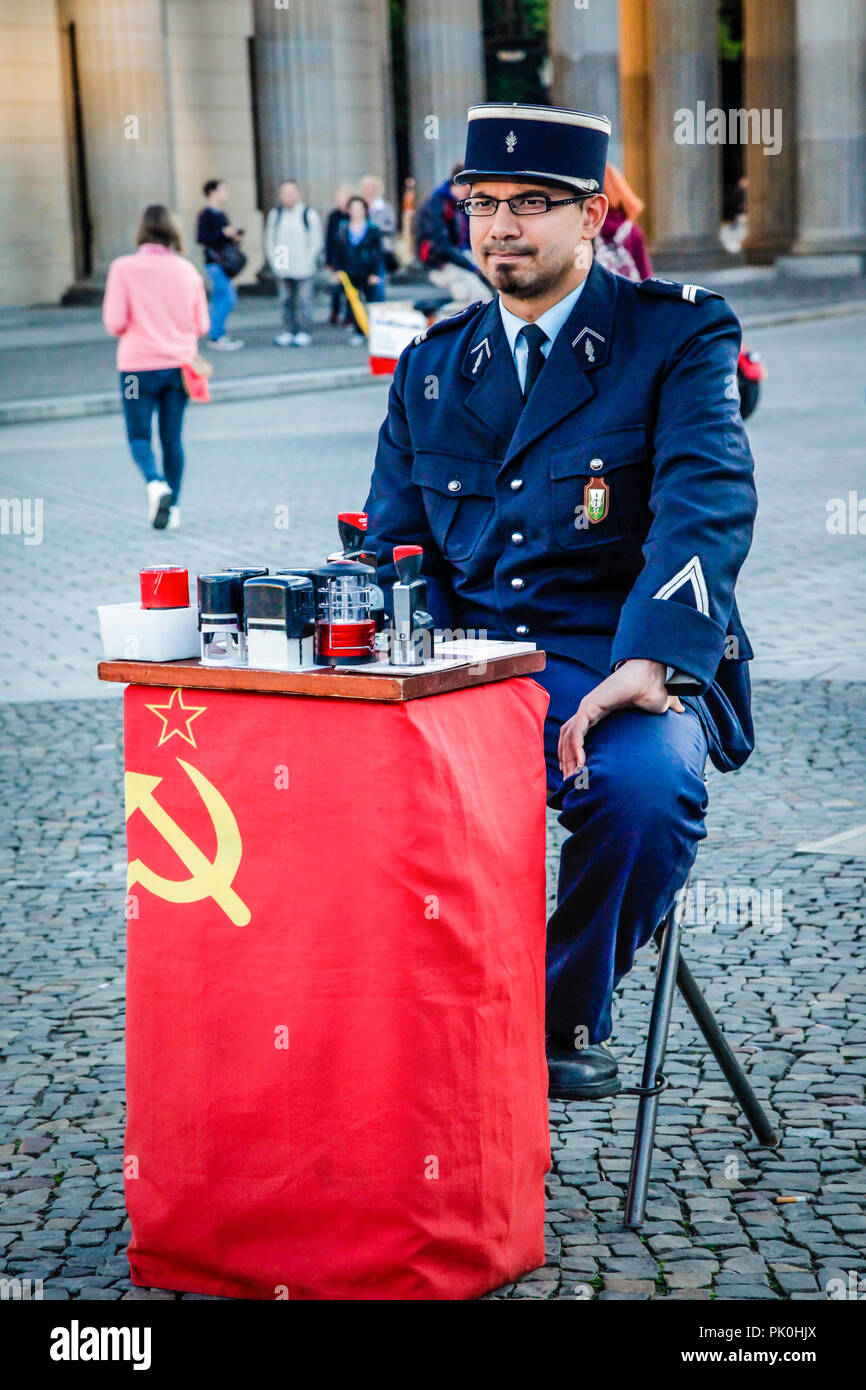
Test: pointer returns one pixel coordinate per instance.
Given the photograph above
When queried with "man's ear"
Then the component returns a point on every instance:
(594, 213)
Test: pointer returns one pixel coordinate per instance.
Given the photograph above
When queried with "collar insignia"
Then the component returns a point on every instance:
(483, 351)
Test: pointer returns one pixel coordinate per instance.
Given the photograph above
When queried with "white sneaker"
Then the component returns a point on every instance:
(356, 339)
(159, 497)
(173, 518)
(302, 340)
(225, 343)
(284, 340)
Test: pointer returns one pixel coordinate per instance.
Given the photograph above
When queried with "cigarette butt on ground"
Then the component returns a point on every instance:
(781, 1200)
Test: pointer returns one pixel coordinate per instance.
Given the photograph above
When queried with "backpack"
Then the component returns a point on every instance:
(615, 256)
(278, 208)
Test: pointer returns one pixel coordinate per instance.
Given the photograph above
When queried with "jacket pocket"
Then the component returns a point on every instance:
(458, 498)
(618, 462)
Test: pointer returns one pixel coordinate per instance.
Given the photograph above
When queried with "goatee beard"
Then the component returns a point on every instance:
(506, 279)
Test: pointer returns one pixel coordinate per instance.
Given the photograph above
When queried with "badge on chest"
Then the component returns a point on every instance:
(596, 499)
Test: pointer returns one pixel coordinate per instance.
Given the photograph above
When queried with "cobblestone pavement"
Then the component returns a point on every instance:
(786, 988)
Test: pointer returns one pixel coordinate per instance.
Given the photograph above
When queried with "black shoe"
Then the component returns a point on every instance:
(587, 1073)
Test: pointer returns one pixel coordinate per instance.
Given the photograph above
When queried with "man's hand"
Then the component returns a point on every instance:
(637, 683)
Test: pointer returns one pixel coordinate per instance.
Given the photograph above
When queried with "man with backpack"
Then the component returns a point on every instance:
(293, 244)
(442, 244)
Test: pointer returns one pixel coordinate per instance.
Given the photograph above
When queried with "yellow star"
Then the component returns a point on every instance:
(177, 714)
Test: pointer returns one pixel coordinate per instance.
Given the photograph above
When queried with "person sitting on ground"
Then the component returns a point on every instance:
(442, 244)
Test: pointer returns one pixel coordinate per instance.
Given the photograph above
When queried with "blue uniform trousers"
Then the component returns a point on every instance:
(634, 829)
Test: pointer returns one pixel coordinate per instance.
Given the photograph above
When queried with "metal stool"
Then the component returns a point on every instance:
(671, 971)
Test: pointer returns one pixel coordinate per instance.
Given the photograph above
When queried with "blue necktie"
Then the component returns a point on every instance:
(535, 338)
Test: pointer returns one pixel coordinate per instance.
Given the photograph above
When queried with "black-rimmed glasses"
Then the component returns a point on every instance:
(522, 204)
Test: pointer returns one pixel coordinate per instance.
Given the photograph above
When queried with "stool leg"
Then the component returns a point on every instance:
(734, 1074)
(647, 1109)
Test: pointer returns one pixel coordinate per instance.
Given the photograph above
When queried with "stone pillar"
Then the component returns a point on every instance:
(770, 83)
(685, 178)
(322, 75)
(584, 48)
(636, 83)
(36, 262)
(210, 101)
(831, 126)
(124, 103)
(446, 77)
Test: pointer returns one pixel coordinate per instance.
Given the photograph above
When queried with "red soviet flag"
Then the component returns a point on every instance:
(335, 1039)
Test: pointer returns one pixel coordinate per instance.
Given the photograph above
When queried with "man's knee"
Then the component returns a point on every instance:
(642, 788)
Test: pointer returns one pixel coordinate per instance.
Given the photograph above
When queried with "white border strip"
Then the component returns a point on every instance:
(553, 114)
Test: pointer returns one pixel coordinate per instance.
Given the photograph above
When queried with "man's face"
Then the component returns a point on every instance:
(289, 194)
(220, 195)
(526, 257)
(368, 190)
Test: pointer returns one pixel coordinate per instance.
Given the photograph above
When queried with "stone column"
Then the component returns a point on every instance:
(208, 71)
(125, 113)
(831, 126)
(36, 236)
(685, 178)
(636, 83)
(322, 75)
(770, 84)
(446, 77)
(584, 48)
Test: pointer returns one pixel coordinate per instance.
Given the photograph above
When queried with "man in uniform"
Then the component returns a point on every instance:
(572, 458)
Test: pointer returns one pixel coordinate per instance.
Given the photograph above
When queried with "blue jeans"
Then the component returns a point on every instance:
(143, 393)
(223, 300)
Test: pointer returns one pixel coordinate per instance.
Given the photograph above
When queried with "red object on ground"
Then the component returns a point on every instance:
(164, 586)
(335, 999)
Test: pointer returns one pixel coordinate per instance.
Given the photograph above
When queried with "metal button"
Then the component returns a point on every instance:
(516, 484)
(455, 485)
(594, 463)
(517, 538)
(522, 630)
(517, 583)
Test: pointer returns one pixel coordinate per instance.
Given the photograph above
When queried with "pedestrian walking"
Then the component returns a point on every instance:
(620, 245)
(223, 260)
(359, 254)
(155, 305)
(336, 217)
(293, 244)
(384, 217)
(442, 243)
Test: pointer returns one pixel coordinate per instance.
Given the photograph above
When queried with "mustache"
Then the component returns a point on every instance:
(508, 248)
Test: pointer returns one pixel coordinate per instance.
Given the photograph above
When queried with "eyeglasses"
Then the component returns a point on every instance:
(523, 205)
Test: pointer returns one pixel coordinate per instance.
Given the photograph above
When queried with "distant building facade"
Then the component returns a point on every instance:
(106, 105)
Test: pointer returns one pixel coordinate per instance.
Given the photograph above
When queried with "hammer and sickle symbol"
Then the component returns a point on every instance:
(208, 878)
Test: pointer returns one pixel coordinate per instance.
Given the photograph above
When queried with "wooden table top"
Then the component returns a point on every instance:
(337, 685)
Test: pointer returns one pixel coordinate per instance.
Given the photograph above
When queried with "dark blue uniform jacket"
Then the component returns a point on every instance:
(639, 390)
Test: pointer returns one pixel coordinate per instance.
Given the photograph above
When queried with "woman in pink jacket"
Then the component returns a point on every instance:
(155, 304)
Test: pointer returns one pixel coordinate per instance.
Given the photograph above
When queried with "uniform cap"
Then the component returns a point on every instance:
(536, 143)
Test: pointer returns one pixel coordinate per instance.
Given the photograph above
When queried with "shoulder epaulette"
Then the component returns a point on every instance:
(669, 289)
(452, 321)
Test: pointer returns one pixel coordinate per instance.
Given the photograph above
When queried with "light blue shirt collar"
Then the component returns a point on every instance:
(551, 322)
